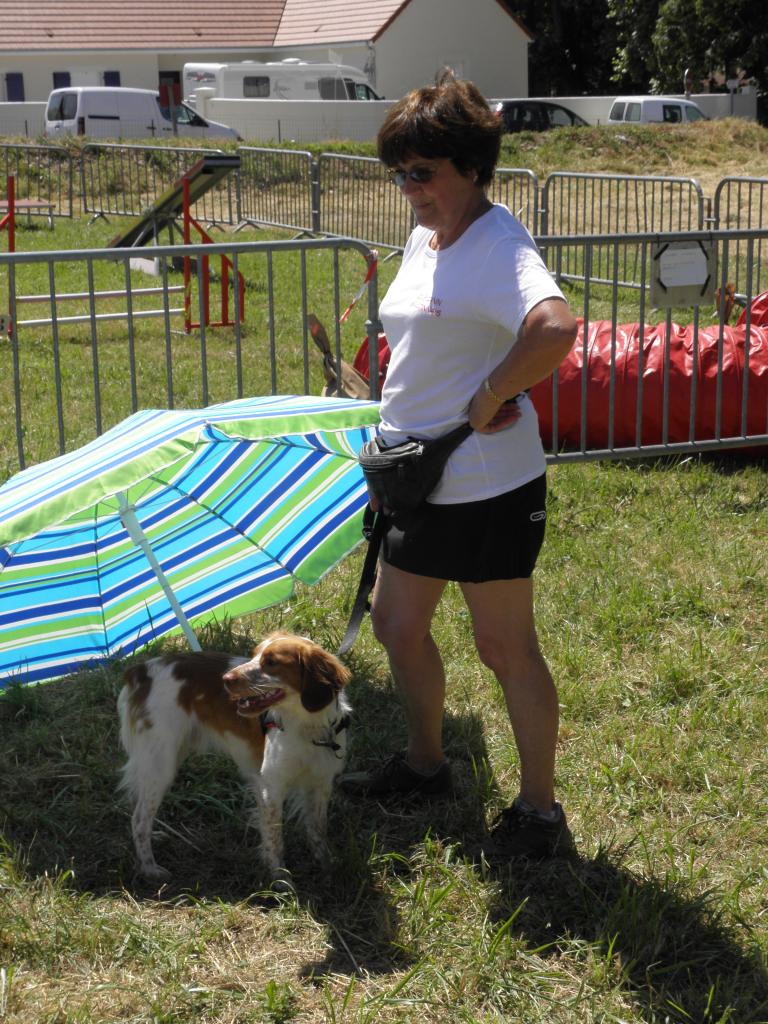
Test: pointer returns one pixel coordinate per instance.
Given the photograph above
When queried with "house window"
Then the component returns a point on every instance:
(14, 87)
(111, 78)
(256, 86)
(61, 80)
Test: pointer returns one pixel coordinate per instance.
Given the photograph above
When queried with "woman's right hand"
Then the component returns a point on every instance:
(488, 417)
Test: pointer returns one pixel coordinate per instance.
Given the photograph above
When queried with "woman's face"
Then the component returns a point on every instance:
(444, 200)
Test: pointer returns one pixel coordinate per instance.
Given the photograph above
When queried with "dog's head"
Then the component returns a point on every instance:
(285, 667)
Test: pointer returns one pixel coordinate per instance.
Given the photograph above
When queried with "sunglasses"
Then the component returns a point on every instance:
(421, 175)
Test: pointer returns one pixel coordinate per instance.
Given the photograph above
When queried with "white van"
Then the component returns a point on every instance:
(114, 112)
(289, 79)
(654, 110)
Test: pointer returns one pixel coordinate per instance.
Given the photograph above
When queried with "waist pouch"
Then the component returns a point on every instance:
(402, 477)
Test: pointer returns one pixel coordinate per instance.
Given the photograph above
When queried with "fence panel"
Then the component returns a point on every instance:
(46, 173)
(123, 180)
(357, 200)
(276, 188)
(93, 338)
(592, 204)
(519, 191)
(639, 382)
(743, 203)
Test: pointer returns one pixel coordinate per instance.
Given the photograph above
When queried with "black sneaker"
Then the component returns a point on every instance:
(396, 778)
(522, 831)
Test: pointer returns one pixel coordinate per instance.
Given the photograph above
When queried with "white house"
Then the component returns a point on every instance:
(400, 44)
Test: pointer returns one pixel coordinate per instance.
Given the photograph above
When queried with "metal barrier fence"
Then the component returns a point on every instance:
(346, 195)
(644, 384)
(582, 204)
(357, 199)
(579, 204)
(519, 191)
(89, 338)
(743, 203)
(637, 383)
(44, 173)
(278, 187)
(122, 180)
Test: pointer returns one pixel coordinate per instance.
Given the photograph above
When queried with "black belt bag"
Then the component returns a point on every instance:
(403, 477)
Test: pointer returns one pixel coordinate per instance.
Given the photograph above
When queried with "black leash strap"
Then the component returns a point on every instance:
(373, 530)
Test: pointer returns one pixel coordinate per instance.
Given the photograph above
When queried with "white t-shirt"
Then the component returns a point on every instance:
(450, 317)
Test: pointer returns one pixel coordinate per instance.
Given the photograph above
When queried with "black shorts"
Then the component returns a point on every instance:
(472, 542)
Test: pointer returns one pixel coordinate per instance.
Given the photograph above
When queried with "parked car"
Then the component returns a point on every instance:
(535, 115)
(654, 110)
(114, 112)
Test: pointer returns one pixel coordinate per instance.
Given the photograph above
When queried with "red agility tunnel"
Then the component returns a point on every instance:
(692, 386)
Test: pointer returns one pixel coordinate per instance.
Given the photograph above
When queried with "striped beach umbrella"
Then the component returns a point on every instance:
(171, 517)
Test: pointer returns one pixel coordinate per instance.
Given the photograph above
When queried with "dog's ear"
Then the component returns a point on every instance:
(137, 674)
(323, 675)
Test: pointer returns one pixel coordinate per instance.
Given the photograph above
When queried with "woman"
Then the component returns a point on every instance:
(473, 319)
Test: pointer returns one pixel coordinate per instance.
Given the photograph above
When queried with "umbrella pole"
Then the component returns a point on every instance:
(139, 538)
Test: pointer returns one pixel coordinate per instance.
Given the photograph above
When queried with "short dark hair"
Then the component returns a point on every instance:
(450, 119)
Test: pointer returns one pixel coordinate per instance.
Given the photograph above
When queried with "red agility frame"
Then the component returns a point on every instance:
(9, 220)
(226, 267)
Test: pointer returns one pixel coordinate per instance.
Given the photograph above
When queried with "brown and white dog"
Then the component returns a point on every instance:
(281, 716)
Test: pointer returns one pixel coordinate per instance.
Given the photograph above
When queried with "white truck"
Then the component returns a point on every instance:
(289, 79)
(115, 112)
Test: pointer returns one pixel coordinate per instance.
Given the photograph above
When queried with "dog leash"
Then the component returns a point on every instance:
(373, 531)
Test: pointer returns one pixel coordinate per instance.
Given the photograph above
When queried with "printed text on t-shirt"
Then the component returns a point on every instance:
(429, 304)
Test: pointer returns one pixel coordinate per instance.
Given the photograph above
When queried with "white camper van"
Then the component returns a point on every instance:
(115, 112)
(289, 79)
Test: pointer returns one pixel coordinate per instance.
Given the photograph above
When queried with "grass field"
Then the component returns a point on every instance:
(652, 592)
(651, 602)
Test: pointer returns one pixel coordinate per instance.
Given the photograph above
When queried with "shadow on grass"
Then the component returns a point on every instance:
(60, 813)
(375, 842)
(673, 953)
(676, 954)
(670, 951)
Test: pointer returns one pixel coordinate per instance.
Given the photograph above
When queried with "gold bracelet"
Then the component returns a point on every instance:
(490, 392)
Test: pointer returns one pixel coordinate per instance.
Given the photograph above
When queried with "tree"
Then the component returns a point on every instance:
(633, 61)
(639, 46)
(572, 48)
(719, 36)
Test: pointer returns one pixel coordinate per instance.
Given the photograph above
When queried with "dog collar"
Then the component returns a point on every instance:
(335, 728)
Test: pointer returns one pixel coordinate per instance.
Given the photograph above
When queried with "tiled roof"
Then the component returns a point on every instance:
(46, 25)
(334, 21)
(50, 25)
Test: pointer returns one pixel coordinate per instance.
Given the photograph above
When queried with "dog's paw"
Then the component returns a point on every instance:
(282, 882)
(155, 874)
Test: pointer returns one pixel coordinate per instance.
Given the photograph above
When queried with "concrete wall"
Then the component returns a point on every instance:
(25, 119)
(262, 122)
(478, 40)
